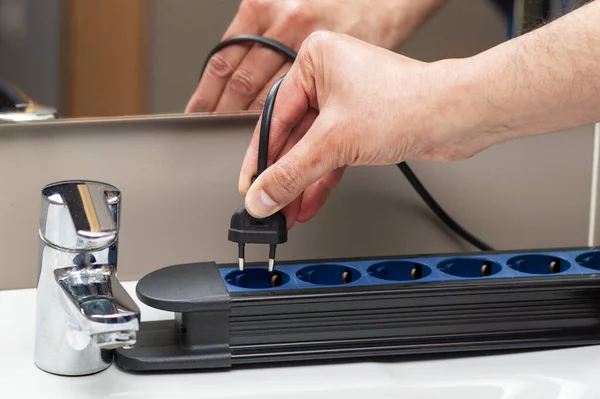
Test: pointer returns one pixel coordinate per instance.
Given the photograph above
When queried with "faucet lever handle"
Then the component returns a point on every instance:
(80, 215)
(88, 205)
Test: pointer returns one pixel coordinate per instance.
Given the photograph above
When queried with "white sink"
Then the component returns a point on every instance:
(558, 374)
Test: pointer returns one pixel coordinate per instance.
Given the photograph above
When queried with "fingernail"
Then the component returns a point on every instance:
(260, 204)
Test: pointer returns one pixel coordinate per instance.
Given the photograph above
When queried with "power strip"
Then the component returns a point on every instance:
(368, 307)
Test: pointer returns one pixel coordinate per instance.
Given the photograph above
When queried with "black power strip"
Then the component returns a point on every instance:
(367, 308)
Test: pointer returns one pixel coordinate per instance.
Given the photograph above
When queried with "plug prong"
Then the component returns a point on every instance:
(241, 256)
(272, 249)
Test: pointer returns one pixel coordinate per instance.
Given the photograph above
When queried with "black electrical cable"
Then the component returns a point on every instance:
(437, 209)
(244, 39)
(265, 131)
(265, 128)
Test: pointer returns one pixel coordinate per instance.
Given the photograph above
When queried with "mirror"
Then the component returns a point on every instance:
(107, 58)
(137, 57)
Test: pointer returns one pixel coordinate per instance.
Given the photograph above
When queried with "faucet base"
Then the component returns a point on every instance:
(105, 360)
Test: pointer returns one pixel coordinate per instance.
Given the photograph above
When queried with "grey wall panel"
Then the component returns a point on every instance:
(179, 180)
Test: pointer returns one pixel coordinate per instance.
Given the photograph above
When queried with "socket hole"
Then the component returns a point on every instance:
(257, 278)
(328, 274)
(591, 260)
(469, 267)
(538, 264)
(399, 271)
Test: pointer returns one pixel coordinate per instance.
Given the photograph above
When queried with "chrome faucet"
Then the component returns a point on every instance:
(83, 313)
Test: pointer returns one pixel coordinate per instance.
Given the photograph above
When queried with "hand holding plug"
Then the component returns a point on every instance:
(316, 136)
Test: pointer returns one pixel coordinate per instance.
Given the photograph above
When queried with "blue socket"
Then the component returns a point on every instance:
(416, 270)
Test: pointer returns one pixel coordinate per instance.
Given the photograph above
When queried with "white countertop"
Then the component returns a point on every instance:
(557, 374)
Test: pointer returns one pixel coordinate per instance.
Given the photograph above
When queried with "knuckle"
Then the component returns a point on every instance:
(300, 15)
(219, 66)
(454, 154)
(280, 125)
(286, 179)
(242, 82)
(351, 157)
(259, 102)
(334, 142)
(315, 45)
(202, 104)
(318, 40)
(251, 5)
(337, 150)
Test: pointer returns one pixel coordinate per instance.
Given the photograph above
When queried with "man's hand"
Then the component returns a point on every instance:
(345, 102)
(239, 77)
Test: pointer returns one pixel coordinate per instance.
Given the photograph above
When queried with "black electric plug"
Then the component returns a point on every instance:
(245, 229)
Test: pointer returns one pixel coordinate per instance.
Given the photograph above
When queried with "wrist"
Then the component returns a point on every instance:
(454, 115)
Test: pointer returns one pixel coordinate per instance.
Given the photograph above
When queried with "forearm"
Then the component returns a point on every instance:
(542, 82)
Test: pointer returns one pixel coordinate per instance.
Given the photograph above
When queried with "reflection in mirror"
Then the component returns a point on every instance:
(136, 57)
(16, 106)
(106, 58)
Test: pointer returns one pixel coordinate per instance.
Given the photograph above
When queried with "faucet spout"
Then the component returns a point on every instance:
(99, 305)
(83, 312)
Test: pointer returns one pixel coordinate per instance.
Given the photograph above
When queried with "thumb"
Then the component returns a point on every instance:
(285, 180)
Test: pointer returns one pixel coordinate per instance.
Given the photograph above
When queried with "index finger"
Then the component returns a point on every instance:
(289, 111)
